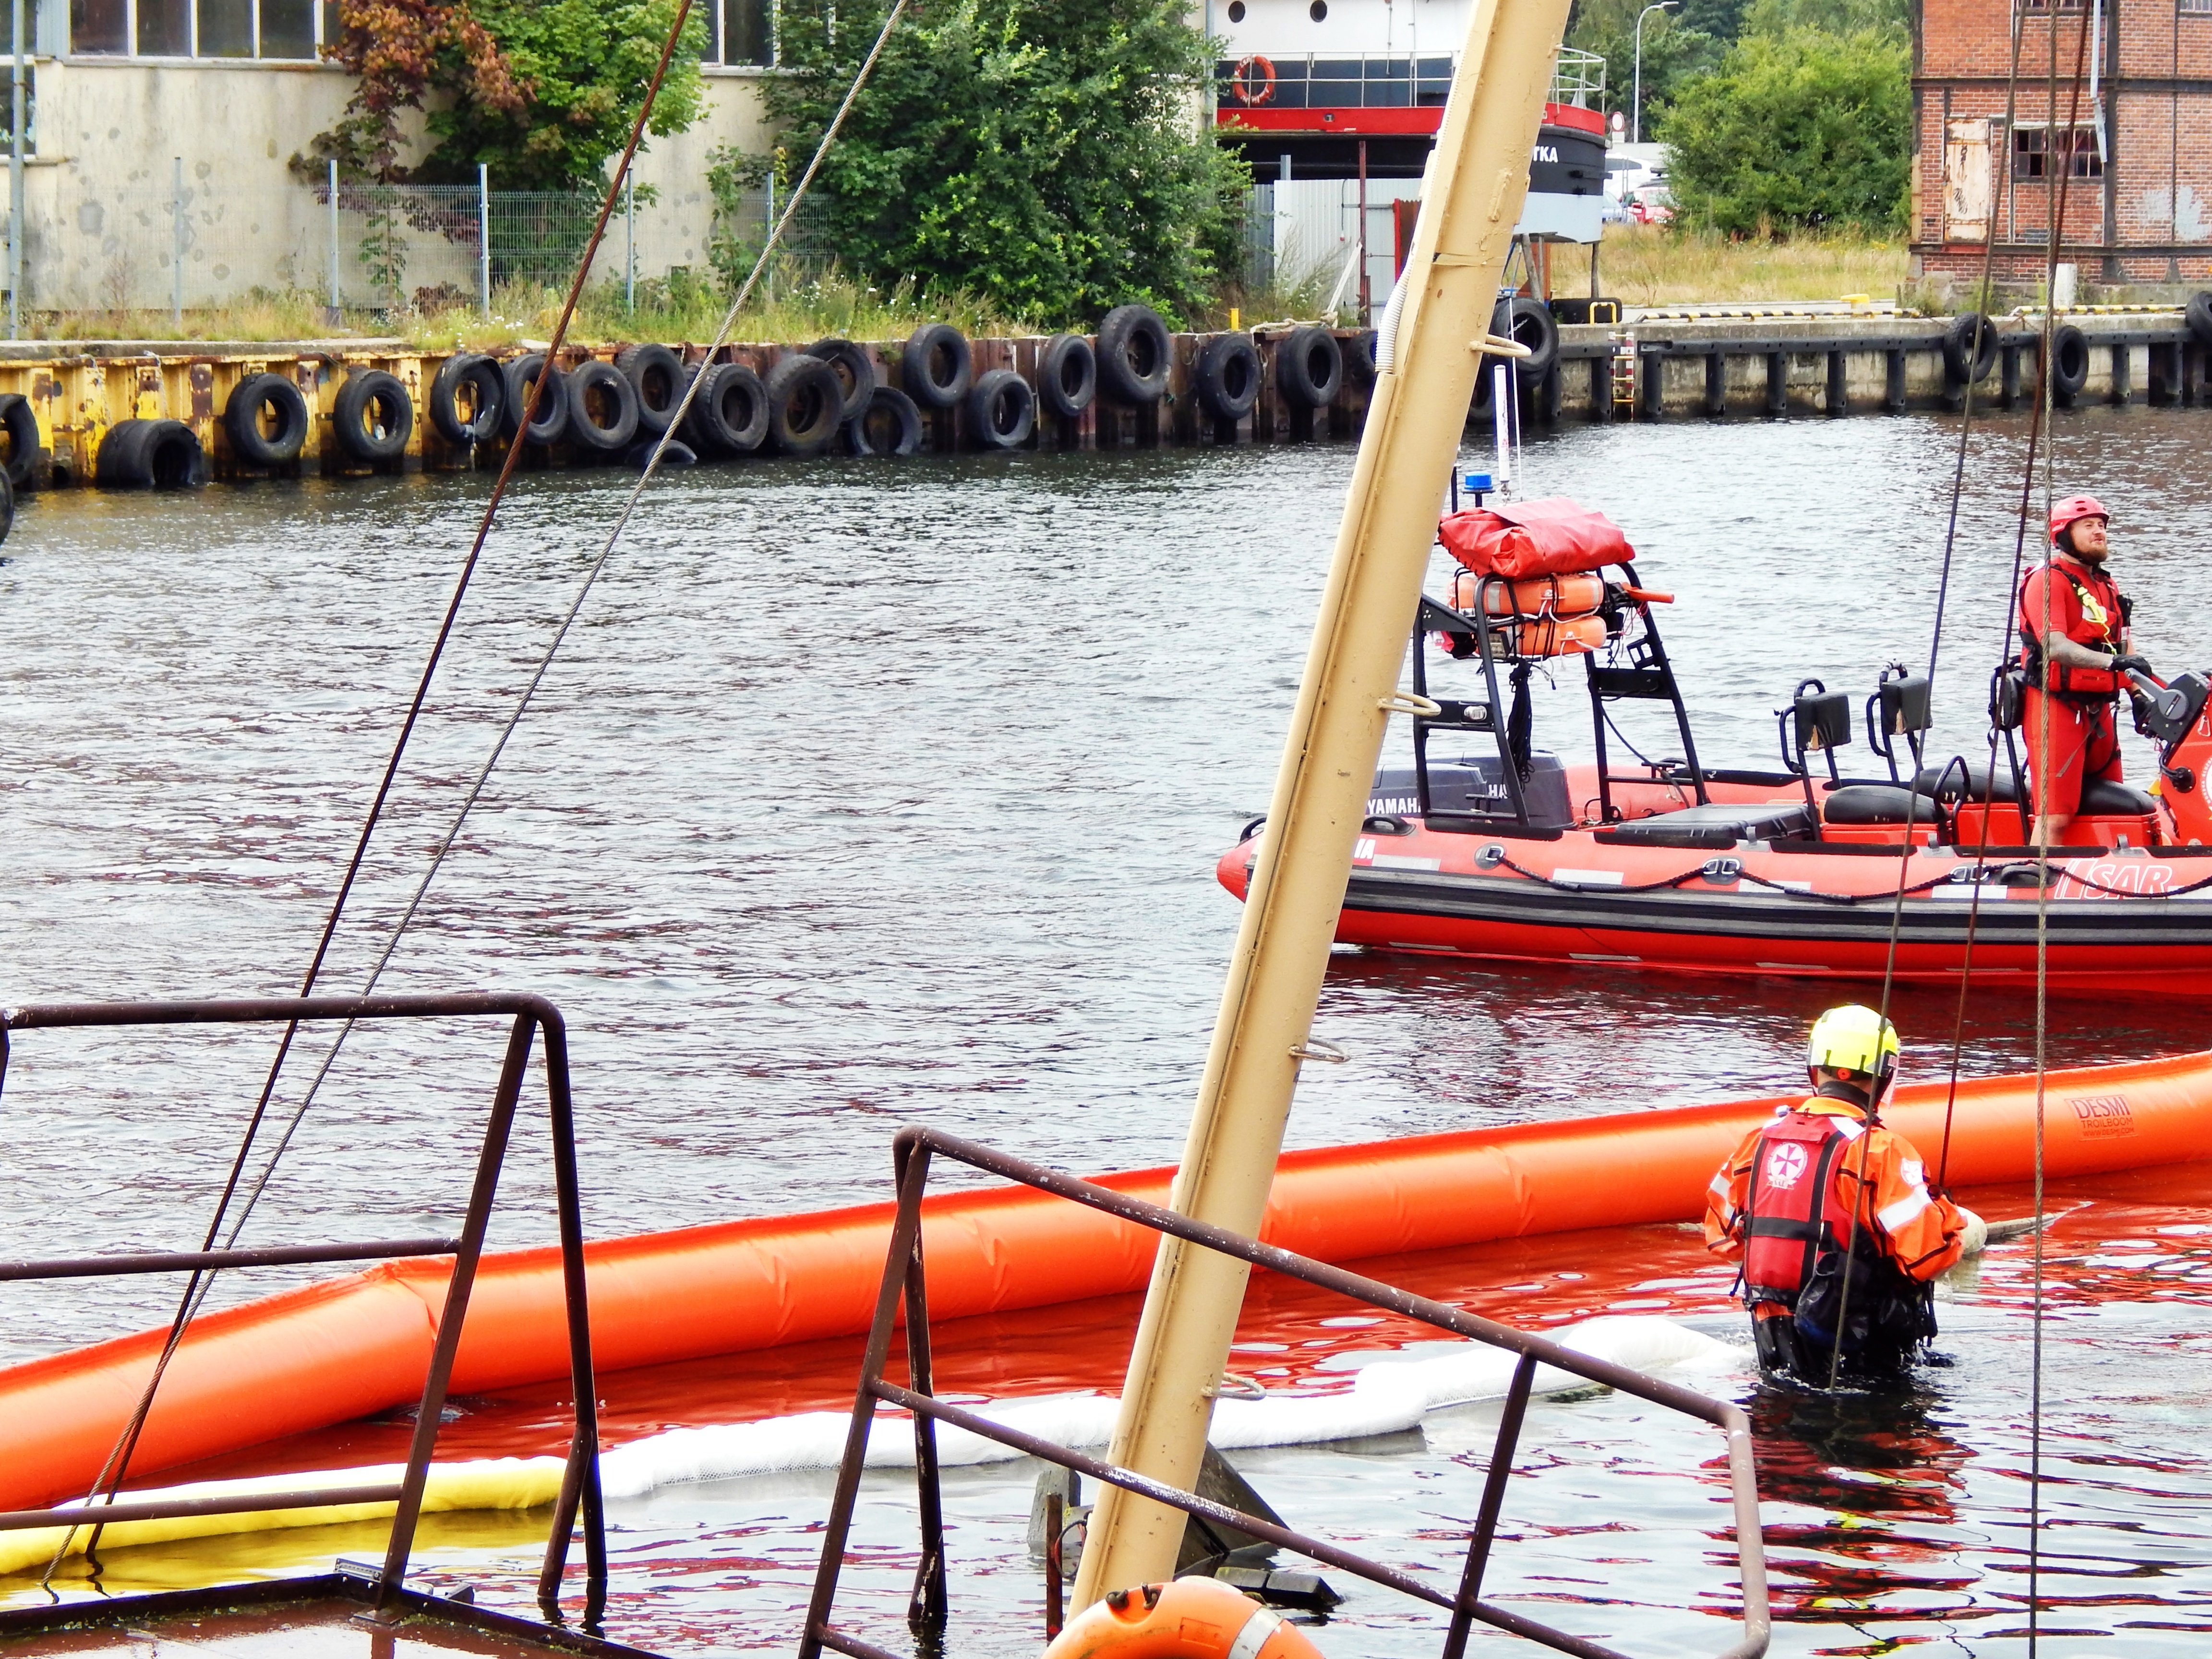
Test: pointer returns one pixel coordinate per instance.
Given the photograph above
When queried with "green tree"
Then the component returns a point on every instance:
(1046, 157)
(542, 91)
(1674, 51)
(1803, 130)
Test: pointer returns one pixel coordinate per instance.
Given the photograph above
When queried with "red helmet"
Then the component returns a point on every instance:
(2074, 508)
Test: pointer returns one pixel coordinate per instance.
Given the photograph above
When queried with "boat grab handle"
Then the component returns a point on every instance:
(1408, 703)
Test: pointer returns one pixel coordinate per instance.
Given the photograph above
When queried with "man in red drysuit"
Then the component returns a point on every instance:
(2075, 647)
(1825, 1181)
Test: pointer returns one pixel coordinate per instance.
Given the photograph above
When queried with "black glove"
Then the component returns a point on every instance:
(2131, 664)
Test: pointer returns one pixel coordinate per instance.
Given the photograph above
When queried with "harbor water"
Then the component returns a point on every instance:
(867, 794)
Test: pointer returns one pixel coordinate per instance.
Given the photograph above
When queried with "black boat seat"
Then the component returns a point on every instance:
(1717, 825)
(1877, 803)
(2100, 798)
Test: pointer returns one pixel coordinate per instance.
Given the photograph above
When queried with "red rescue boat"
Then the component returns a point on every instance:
(1511, 855)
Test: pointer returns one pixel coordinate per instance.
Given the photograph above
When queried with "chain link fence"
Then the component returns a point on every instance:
(190, 244)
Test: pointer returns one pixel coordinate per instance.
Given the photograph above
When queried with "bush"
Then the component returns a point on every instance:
(1803, 129)
(1043, 157)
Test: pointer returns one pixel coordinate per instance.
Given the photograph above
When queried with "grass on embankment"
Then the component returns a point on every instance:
(1654, 265)
(1641, 265)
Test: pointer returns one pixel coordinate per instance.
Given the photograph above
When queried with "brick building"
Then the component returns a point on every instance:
(2135, 150)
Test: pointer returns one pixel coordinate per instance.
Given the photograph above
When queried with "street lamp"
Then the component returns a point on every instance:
(1637, 110)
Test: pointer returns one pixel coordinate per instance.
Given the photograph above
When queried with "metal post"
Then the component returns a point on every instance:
(177, 247)
(1479, 176)
(768, 229)
(15, 186)
(1636, 102)
(629, 243)
(454, 1315)
(1366, 293)
(483, 236)
(1283, 169)
(334, 241)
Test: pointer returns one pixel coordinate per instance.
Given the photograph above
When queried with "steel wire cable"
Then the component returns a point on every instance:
(116, 1465)
(1934, 654)
(113, 1471)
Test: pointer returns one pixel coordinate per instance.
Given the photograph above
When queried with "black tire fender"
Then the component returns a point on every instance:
(855, 372)
(552, 422)
(1001, 410)
(1959, 342)
(935, 366)
(479, 376)
(2069, 364)
(372, 416)
(657, 375)
(1134, 355)
(19, 421)
(805, 404)
(1527, 322)
(730, 414)
(1309, 366)
(141, 454)
(6, 505)
(1067, 375)
(2197, 313)
(890, 427)
(602, 408)
(1229, 375)
(287, 406)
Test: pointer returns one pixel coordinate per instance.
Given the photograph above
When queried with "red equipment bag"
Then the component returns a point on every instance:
(1554, 537)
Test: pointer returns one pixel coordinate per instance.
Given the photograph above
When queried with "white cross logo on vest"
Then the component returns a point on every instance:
(1785, 1165)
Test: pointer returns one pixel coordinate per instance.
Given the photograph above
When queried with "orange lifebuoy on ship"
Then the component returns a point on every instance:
(1253, 82)
(1184, 1619)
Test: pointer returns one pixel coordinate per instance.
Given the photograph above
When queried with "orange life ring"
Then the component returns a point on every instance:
(1245, 88)
(1184, 1619)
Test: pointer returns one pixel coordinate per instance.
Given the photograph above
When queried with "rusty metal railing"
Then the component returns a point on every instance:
(580, 1485)
(904, 1281)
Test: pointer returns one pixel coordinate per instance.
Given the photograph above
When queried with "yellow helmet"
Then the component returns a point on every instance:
(1857, 1044)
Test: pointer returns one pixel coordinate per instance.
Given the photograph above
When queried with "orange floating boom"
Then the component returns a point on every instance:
(355, 1345)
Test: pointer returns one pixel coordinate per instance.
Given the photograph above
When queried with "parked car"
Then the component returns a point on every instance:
(1651, 204)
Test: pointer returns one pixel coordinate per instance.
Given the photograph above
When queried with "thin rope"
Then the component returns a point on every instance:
(576, 604)
(198, 1289)
(116, 1465)
(2056, 236)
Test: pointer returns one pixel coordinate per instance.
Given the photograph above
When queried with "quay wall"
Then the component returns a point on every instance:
(1656, 367)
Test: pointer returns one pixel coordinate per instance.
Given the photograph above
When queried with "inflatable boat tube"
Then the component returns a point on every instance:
(349, 1348)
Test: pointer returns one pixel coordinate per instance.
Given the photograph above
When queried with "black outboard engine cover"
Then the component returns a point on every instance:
(1475, 784)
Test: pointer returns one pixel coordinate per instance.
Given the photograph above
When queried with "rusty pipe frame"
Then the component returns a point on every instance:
(531, 1014)
(903, 1282)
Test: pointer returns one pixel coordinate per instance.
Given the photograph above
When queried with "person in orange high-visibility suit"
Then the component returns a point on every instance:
(1823, 1182)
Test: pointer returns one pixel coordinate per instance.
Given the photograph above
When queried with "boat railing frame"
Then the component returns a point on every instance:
(579, 1486)
(1648, 675)
(904, 1285)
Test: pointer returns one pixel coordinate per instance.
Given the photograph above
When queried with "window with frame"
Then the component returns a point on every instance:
(2041, 152)
(2194, 8)
(740, 34)
(2043, 8)
(280, 30)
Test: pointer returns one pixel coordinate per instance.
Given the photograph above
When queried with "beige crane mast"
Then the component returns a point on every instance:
(1471, 200)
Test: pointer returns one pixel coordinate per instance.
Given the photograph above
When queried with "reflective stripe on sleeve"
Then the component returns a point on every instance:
(1905, 1209)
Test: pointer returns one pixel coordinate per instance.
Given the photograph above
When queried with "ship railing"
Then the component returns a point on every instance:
(903, 1286)
(1324, 81)
(1578, 79)
(533, 1018)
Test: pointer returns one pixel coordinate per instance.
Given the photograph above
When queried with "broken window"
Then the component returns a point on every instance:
(2041, 152)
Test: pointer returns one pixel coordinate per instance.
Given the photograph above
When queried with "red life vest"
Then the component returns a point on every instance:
(1791, 1210)
(2105, 611)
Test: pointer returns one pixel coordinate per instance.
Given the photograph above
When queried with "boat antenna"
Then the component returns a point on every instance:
(112, 1473)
